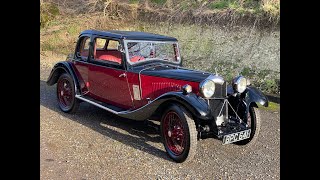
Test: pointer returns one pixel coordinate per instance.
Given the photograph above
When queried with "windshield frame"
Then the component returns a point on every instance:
(125, 41)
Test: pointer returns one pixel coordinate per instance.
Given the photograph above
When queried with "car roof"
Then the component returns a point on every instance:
(133, 35)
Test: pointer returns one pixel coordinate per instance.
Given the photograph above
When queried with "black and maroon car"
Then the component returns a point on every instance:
(139, 76)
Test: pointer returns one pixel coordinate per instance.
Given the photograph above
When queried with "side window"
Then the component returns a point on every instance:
(100, 43)
(83, 49)
(107, 50)
(113, 45)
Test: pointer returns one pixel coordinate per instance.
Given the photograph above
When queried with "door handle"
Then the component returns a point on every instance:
(123, 75)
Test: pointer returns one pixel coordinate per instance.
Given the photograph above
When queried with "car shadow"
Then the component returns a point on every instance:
(139, 133)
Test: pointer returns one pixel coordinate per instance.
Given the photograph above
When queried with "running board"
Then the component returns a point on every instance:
(139, 114)
(105, 106)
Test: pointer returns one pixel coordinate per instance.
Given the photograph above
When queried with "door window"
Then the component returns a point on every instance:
(106, 50)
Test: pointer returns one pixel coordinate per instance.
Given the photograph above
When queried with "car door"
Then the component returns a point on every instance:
(107, 75)
(81, 61)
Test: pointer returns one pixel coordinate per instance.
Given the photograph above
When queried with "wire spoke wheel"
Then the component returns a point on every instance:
(179, 134)
(66, 94)
(174, 133)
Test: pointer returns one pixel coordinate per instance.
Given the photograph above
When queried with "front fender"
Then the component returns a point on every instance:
(58, 69)
(197, 106)
(255, 95)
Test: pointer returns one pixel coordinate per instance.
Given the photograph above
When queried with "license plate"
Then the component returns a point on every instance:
(238, 136)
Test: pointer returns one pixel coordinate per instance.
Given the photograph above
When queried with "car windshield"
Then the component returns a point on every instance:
(139, 51)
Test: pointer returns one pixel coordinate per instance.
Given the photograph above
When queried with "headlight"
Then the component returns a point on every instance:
(239, 84)
(207, 88)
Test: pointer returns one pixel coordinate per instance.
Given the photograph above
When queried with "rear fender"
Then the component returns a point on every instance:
(58, 69)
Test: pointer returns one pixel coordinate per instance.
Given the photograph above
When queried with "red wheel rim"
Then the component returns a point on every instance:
(65, 94)
(174, 133)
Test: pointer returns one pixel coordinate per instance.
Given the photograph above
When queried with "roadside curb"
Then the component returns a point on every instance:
(273, 98)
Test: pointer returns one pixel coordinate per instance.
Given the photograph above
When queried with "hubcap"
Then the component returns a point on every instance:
(174, 133)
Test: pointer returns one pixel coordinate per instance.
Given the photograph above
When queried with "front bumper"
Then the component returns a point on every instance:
(232, 121)
(230, 128)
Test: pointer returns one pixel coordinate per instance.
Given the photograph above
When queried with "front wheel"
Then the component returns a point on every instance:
(254, 122)
(179, 134)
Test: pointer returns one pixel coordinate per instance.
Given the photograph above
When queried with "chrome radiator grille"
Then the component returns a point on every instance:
(220, 90)
(216, 106)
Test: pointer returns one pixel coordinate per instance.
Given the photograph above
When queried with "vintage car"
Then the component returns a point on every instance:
(139, 76)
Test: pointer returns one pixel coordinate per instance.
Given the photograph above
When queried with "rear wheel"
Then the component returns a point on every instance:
(66, 94)
(179, 134)
(254, 122)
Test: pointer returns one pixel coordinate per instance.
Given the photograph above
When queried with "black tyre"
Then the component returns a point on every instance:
(254, 122)
(179, 134)
(66, 94)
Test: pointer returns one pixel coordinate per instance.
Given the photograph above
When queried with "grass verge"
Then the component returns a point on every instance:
(274, 107)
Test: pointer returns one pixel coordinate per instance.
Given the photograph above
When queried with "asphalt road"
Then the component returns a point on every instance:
(94, 144)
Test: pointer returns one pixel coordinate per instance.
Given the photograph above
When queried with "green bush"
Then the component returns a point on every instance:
(219, 4)
(133, 1)
(160, 2)
(48, 12)
(266, 80)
